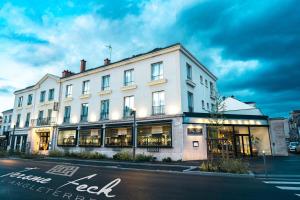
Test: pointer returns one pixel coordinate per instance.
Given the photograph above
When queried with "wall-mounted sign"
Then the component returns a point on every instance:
(194, 131)
(195, 144)
(42, 130)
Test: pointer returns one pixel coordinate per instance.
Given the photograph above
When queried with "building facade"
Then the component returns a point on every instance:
(167, 92)
(5, 129)
(279, 132)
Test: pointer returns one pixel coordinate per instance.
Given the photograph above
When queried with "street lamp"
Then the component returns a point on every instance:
(133, 113)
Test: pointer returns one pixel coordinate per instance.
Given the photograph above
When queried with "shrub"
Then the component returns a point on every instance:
(226, 165)
(145, 158)
(233, 166)
(123, 155)
(3, 153)
(167, 159)
(56, 153)
(85, 155)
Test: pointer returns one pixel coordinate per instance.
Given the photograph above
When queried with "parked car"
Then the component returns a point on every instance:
(292, 146)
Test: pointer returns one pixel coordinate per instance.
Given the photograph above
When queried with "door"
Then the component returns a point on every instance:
(242, 145)
(44, 141)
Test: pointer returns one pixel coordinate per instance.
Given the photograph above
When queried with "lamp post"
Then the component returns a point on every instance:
(264, 157)
(133, 113)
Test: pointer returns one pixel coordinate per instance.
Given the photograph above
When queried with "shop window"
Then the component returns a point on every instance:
(260, 140)
(158, 136)
(90, 137)
(119, 137)
(66, 138)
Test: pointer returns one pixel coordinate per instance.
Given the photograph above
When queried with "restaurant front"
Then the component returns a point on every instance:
(236, 136)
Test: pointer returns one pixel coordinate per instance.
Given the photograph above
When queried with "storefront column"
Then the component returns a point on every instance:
(250, 142)
(103, 135)
(77, 136)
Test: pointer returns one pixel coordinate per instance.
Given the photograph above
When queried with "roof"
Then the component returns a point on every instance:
(142, 54)
(39, 82)
(10, 110)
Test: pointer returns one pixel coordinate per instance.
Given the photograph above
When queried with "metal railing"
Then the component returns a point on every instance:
(43, 121)
(158, 110)
(104, 115)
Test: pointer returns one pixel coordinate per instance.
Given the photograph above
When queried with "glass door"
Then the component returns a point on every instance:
(44, 141)
(242, 145)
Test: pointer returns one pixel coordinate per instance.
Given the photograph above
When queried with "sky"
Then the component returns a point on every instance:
(253, 47)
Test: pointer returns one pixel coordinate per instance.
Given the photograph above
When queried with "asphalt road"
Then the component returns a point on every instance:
(30, 179)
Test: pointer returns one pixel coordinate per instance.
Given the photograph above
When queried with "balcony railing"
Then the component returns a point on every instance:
(104, 115)
(158, 110)
(66, 120)
(127, 112)
(83, 118)
(43, 121)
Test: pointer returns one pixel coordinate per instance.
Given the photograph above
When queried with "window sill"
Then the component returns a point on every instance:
(68, 99)
(85, 96)
(157, 82)
(105, 92)
(28, 106)
(19, 108)
(129, 87)
(190, 83)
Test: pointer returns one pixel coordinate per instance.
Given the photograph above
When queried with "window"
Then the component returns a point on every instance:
(42, 96)
(211, 86)
(128, 77)
(190, 102)
(105, 82)
(197, 130)
(69, 91)
(119, 137)
(104, 114)
(213, 108)
(20, 101)
(49, 114)
(66, 138)
(205, 83)
(90, 137)
(158, 102)
(18, 120)
(40, 118)
(189, 71)
(85, 87)
(29, 99)
(9, 119)
(84, 112)
(128, 106)
(67, 114)
(207, 106)
(157, 71)
(27, 120)
(154, 135)
(201, 79)
(203, 104)
(51, 95)
(5, 119)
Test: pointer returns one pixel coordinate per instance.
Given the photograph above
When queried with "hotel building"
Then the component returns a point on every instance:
(170, 92)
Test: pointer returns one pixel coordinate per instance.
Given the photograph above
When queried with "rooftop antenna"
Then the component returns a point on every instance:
(110, 50)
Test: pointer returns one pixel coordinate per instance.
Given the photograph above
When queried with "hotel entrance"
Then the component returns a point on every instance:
(44, 141)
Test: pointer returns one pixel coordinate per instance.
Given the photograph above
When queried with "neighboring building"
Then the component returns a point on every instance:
(279, 131)
(34, 115)
(6, 128)
(171, 92)
(294, 123)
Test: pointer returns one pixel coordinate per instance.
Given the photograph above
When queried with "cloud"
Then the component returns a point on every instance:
(252, 46)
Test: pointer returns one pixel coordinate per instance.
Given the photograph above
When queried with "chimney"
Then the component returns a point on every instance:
(66, 73)
(106, 61)
(82, 65)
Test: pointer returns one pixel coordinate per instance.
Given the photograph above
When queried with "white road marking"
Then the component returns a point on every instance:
(297, 195)
(282, 182)
(288, 188)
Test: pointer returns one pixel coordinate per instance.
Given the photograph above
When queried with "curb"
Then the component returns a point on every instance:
(221, 174)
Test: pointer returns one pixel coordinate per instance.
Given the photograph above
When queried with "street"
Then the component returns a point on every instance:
(38, 179)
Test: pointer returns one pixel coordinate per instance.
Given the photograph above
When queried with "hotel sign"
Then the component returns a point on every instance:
(42, 130)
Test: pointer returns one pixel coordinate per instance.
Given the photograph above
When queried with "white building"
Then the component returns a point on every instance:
(34, 115)
(5, 128)
(170, 91)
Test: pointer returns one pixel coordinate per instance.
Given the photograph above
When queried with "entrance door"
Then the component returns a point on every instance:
(44, 141)
(243, 145)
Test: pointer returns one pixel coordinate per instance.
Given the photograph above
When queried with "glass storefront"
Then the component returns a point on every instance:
(90, 137)
(66, 138)
(238, 140)
(118, 137)
(154, 135)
